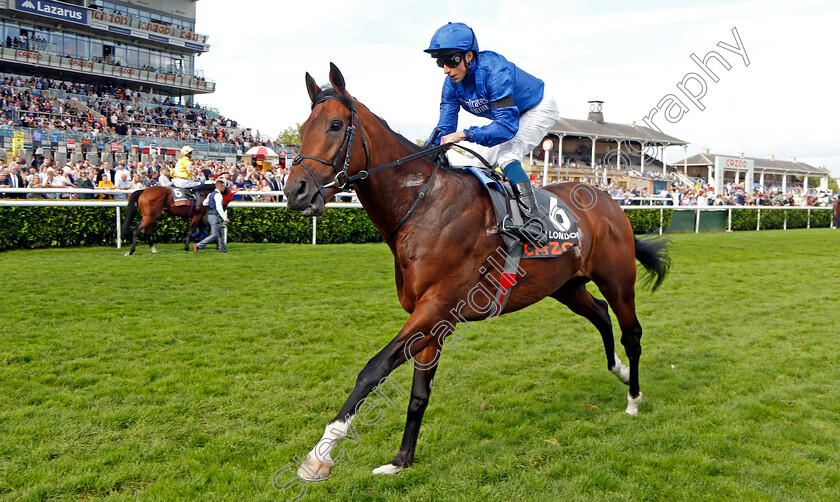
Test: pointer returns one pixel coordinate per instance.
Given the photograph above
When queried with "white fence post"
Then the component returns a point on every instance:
(697, 222)
(758, 221)
(661, 219)
(314, 229)
(118, 227)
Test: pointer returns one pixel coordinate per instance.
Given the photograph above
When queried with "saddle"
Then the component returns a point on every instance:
(556, 219)
(185, 196)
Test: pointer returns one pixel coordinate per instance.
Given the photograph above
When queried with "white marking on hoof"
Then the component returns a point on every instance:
(388, 469)
(633, 404)
(620, 371)
(154, 250)
(313, 470)
(128, 253)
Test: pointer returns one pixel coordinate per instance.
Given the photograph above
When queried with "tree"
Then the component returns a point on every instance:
(290, 135)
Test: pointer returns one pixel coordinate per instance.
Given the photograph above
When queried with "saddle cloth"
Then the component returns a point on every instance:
(556, 218)
(182, 197)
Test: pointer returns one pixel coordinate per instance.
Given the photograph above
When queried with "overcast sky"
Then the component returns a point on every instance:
(629, 55)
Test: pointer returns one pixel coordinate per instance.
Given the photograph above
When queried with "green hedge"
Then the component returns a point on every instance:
(645, 221)
(43, 227)
(747, 219)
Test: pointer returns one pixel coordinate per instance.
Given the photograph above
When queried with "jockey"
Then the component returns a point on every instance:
(184, 177)
(488, 85)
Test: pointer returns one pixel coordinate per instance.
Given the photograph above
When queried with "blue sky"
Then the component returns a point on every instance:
(630, 55)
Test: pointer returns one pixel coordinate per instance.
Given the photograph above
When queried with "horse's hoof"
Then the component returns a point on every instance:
(633, 404)
(388, 469)
(128, 253)
(313, 470)
(154, 250)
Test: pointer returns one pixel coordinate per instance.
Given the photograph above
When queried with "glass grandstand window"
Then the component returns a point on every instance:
(83, 47)
(95, 48)
(69, 46)
(134, 58)
(143, 59)
(154, 59)
(121, 55)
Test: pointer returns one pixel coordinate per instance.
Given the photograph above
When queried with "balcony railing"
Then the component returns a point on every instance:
(180, 81)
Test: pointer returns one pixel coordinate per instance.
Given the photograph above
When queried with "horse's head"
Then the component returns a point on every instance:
(328, 152)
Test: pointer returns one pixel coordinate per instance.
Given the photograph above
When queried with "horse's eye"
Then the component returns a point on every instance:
(336, 125)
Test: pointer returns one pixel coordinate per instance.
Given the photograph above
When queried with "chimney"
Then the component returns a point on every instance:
(595, 114)
(770, 156)
(706, 150)
(793, 159)
(740, 155)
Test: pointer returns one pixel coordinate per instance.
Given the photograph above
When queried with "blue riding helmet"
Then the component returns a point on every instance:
(453, 36)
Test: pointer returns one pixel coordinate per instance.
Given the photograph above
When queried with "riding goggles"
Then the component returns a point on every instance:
(451, 61)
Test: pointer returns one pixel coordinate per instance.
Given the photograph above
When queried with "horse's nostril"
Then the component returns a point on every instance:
(301, 187)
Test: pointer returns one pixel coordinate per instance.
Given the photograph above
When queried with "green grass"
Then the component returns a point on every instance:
(181, 377)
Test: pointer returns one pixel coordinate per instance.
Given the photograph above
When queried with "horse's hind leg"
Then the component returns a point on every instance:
(421, 388)
(134, 234)
(575, 296)
(622, 299)
(149, 238)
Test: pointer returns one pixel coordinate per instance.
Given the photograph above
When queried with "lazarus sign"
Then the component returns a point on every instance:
(52, 9)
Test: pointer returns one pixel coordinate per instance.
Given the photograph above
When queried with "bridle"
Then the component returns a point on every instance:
(343, 179)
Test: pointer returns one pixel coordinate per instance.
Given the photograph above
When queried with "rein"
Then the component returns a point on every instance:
(347, 144)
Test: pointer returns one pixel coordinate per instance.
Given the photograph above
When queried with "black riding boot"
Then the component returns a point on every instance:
(532, 228)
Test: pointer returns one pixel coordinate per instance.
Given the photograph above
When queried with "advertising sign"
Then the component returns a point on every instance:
(55, 10)
(723, 164)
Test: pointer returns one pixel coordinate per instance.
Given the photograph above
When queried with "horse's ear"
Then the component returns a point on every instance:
(337, 79)
(311, 87)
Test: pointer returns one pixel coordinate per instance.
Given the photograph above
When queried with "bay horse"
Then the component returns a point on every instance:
(153, 201)
(441, 230)
(835, 213)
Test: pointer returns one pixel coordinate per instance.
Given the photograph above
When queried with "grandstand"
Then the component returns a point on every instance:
(605, 152)
(767, 173)
(106, 81)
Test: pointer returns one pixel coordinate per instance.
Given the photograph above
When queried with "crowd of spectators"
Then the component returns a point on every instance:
(95, 110)
(732, 195)
(250, 183)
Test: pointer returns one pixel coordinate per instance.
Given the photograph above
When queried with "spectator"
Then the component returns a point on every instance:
(137, 183)
(15, 180)
(163, 178)
(83, 181)
(151, 179)
(122, 183)
(4, 181)
(36, 184)
(105, 184)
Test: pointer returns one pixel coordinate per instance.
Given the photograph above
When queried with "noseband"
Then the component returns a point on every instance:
(342, 179)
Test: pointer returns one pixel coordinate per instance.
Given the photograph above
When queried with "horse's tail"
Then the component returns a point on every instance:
(129, 212)
(653, 255)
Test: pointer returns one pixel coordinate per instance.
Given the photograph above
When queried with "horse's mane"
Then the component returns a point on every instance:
(328, 92)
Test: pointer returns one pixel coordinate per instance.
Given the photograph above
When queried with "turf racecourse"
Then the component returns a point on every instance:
(119, 381)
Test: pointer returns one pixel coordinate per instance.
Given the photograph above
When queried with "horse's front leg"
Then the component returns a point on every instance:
(425, 326)
(425, 365)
